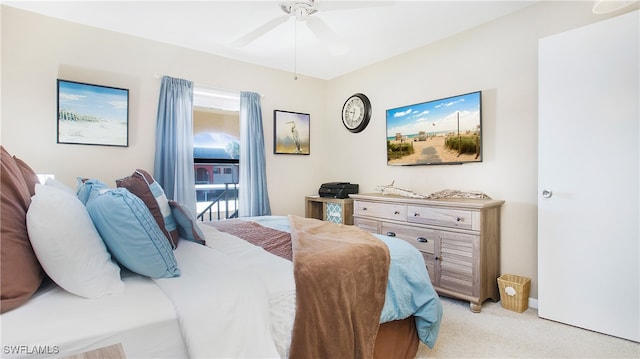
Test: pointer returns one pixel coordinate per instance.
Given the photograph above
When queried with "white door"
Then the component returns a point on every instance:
(588, 177)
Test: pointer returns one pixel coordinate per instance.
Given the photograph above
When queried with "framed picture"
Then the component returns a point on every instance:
(291, 134)
(92, 114)
(438, 132)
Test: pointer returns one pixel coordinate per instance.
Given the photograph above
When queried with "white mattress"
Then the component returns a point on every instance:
(55, 323)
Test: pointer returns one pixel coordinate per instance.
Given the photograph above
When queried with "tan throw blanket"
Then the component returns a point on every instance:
(341, 277)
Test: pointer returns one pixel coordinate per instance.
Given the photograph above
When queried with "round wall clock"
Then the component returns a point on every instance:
(356, 112)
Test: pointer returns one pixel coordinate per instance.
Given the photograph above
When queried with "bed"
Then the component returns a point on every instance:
(218, 294)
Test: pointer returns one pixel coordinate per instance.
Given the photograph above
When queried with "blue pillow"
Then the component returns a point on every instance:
(89, 187)
(142, 184)
(186, 223)
(131, 233)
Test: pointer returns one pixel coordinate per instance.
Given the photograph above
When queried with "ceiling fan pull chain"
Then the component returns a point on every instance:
(295, 49)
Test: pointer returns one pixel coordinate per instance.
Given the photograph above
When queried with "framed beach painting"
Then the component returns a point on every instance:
(436, 132)
(92, 114)
(291, 133)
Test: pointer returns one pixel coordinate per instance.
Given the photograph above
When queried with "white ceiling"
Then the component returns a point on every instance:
(372, 30)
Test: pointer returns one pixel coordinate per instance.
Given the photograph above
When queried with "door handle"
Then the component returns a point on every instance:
(546, 193)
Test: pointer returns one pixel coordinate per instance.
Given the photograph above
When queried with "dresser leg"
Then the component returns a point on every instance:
(475, 307)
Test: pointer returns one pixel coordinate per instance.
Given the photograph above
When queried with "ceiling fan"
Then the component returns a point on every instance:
(304, 11)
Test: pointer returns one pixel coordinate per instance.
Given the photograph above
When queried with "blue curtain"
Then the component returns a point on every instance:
(173, 165)
(253, 197)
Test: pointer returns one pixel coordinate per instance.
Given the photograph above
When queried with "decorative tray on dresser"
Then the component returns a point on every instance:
(459, 239)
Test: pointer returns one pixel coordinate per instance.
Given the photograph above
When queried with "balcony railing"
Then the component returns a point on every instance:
(223, 206)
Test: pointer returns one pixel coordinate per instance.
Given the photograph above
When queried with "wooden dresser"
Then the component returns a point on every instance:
(459, 239)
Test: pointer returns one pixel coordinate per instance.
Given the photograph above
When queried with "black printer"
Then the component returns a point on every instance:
(337, 189)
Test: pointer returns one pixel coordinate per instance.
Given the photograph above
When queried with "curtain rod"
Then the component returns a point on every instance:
(159, 76)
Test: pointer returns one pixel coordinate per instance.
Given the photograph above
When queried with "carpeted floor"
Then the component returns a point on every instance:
(500, 333)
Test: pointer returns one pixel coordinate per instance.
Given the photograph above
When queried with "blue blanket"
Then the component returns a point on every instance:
(409, 289)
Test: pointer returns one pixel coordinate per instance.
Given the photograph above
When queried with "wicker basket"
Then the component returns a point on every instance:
(514, 292)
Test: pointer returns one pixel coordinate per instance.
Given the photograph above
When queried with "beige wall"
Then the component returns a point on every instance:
(499, 58)
(37, 50)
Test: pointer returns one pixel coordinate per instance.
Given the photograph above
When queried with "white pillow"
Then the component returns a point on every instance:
(57, 184)
(68, 245)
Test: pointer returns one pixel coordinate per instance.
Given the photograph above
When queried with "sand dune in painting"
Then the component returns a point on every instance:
(432, 150)
(97, 131)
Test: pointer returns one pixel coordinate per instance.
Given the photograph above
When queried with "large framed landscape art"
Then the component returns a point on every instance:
(443, 131)
(92, 114)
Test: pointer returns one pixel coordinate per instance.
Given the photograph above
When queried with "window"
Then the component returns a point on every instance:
(216, 139)
(202, 174)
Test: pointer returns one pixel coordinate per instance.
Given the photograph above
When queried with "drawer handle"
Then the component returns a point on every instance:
(396, 212)
(421, 240)
(459, 219)
(364, 208)
(391, 234)
(416, 214)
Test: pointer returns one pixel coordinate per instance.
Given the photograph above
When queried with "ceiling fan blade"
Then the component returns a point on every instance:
(259, 31)
(325, 5)
(329, 39)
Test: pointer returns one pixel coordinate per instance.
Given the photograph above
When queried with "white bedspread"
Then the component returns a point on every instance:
(228, 308)
(55, 323)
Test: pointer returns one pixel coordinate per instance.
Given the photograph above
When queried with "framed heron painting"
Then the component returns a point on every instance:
(291, 133)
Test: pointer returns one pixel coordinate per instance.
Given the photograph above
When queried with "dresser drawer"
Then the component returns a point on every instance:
(391, 211)
(369, 225)
(441, 217)
(422, 238)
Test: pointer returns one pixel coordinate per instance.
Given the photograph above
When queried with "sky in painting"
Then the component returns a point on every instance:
(438, 116)
(105, 103)
(286, 121)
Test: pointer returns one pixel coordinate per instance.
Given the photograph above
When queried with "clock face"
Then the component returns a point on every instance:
(356, 113)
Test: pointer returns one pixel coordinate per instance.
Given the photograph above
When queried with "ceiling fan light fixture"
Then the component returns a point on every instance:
(301, 10)
(301, 13)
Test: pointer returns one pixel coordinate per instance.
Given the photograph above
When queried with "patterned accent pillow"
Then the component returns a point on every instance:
(186, 222)
(143, 185)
